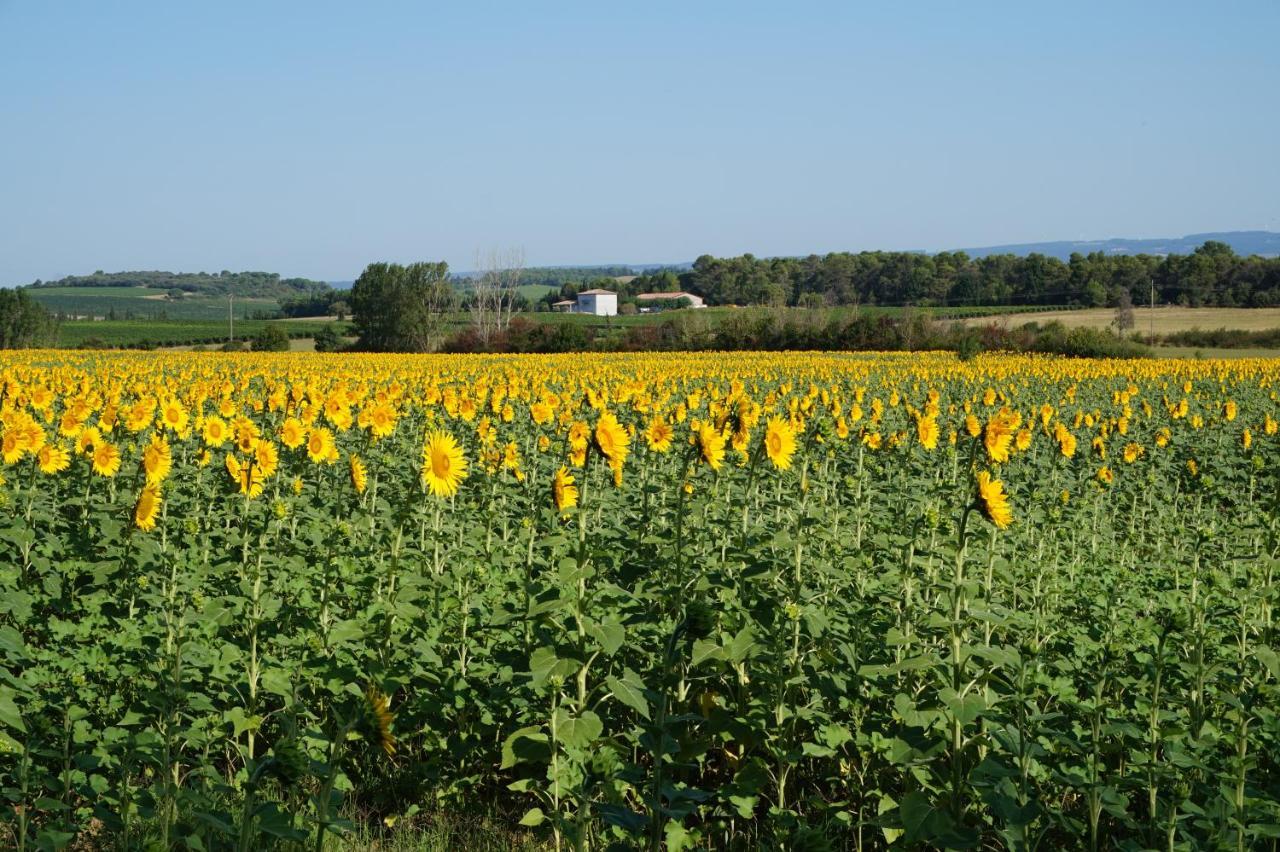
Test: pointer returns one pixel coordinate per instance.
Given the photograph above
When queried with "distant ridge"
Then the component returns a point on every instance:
(1265, 243)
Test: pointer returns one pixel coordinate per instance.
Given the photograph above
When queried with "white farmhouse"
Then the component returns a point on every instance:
(602, 303)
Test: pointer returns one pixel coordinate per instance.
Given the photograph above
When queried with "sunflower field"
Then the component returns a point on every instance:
(680, 601)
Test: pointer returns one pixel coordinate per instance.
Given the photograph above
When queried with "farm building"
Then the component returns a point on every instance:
(657, 301)
(601, 303)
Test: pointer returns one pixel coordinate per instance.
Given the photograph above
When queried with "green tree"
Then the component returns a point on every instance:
(24, 322)
(328, 339)
(399, 308)
(272, 338)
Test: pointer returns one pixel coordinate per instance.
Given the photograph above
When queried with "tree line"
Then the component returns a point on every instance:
(245, 284)
(1213, 275)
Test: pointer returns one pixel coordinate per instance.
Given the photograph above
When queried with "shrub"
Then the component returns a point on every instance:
(328, 340)
(272, 338)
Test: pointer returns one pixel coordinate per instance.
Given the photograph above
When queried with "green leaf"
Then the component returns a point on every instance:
(9, 714)
(580, 731)
(922, 818)
(533, 818)
(703, 650)
(623, 817)
(630, 691)
(527, 745)
(345, 631)
(11, 642)
(610, 634)
(742, 646)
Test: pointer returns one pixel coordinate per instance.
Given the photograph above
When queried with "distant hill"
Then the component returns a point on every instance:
(1265, 243)
(254, 285)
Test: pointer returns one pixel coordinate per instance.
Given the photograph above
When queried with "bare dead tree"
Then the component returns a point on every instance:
(494, 290)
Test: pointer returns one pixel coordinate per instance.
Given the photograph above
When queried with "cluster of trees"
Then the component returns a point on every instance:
(319, 304)
(557, 276)
(399, 308)
(24, 322)
(1213, 275)
(265, 285)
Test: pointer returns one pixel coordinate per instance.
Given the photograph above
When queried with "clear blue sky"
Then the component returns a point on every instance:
(311, 138)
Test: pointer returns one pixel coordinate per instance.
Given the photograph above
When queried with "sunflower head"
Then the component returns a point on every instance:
(443, 464)
(378, 719)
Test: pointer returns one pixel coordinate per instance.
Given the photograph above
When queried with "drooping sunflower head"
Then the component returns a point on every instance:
(359, 475)
(147, 508)
(995, 503)
(157, 459)
(378, 717)
(563, 491)
(53, 459)
(711, 445)
(612, 440)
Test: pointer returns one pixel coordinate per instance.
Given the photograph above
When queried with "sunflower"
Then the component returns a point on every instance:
(106, 459)
(174, 416)
(563, 492)
(148, 507)
(972, 425)
(711, 445)
(215, 432)
(658, 435)
(247, 477)
(995, 503)
(53, 459)
(266, 458)
(11, 446)
(88, 438)
(1105, 475)
(320, 446)
(292, 433)
(157, 459)
(359, 475)
(380, 718)
(540, 412)
(1247, 439)
(927, 432)
(443, 464)
(998, 436)
(1132, 452)
(779, 442)
(1229, 410)
(612, 439)
(382, 420)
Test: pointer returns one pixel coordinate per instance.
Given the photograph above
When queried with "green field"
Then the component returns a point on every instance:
(142, 303)
(127, 334)
(186, 331)
(534, 292)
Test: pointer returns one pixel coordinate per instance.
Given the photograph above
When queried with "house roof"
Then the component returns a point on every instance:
(658, 296)
(597, 293)
(562, 302)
